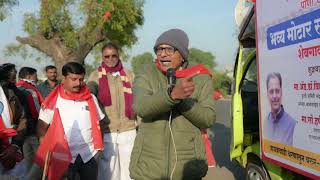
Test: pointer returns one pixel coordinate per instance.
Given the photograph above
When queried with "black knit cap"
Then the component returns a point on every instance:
(175, 38)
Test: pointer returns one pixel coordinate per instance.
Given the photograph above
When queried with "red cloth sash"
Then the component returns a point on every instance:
(31, 86)
(30, 100)
(184, 73)
(104, 94)
(6, 133)
(201, 69)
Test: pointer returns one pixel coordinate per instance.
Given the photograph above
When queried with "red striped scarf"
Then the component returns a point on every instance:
(104, 94)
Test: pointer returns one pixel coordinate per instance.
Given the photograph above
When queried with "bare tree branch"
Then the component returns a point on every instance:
(51, 47)
(38, 42)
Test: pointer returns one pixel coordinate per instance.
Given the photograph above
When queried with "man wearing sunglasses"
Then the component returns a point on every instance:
(169, 142)
(111, 83)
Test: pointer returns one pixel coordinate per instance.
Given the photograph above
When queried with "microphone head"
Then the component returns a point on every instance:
(171, 72)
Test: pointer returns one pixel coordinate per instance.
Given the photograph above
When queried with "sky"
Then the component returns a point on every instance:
(209, 24)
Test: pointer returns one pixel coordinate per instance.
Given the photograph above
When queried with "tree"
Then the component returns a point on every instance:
(5, 7)
(64, 34)
(138, 61)
(89, 69)
(222, 82)
(200, 57)
(25, 52)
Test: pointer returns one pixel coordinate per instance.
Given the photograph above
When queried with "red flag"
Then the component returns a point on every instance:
(207, 144)
(54, 142)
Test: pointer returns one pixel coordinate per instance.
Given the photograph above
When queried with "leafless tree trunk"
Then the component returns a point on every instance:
(61, 54)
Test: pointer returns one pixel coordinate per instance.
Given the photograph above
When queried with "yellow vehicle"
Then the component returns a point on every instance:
(245, 137)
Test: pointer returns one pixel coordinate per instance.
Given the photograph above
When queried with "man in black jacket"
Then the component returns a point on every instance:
(16, 121)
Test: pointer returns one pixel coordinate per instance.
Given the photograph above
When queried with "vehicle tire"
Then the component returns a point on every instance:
(256, 171)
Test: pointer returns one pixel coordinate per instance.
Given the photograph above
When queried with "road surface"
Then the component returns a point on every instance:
(220, 136)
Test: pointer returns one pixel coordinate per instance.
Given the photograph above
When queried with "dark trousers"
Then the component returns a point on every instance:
(88, 170)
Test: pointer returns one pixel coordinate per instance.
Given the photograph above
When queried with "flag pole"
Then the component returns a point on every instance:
(46, 164)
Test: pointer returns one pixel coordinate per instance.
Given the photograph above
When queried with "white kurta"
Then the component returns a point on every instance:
(114, 163)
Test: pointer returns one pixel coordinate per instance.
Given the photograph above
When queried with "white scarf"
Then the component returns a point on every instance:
(30, 81)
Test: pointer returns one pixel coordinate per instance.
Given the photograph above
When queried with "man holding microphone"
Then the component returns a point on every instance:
(169, 143)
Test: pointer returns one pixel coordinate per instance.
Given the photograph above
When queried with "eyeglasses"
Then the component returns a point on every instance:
(113, 56)
(167, 50)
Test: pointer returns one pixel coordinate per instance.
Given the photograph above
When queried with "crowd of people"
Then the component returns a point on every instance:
(112, 126)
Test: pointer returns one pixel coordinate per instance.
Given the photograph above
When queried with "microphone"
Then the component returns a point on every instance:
(171, 76)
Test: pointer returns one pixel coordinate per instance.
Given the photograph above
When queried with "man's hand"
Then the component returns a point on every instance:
(103, 126)
(184, 88)
(42, 128)
(8, 157)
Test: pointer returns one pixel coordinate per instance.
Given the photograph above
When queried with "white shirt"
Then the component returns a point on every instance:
(75, 117)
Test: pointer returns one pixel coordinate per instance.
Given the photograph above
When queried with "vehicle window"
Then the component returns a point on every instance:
(249, 95)
(251, 74)
(246, 52)
(249, 82)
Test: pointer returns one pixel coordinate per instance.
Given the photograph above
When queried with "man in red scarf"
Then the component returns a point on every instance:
(112, 85)
(71, 107)
(169, 143)
(27, 84)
